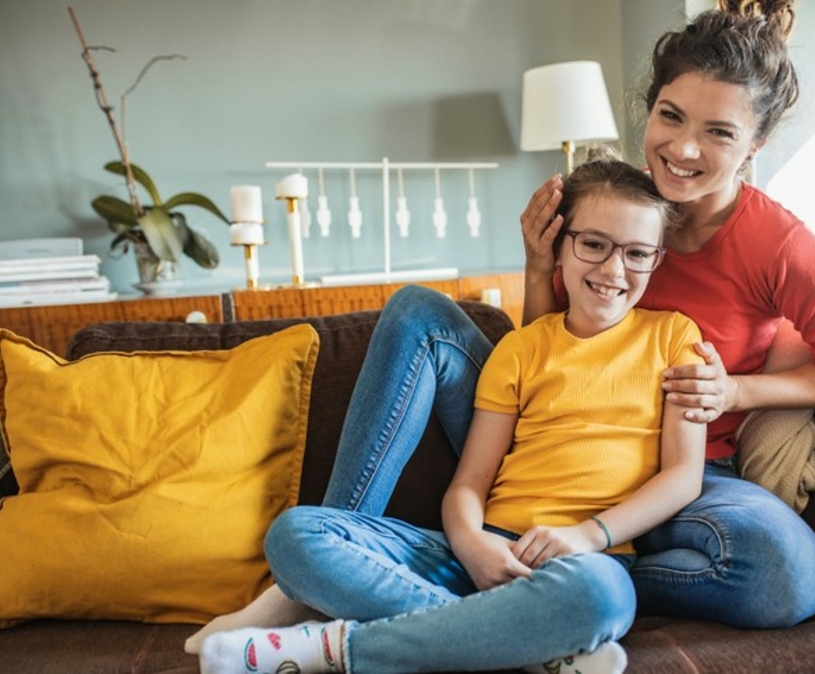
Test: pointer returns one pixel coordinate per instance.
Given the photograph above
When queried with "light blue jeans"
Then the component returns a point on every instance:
(417, 608)
(737, 554)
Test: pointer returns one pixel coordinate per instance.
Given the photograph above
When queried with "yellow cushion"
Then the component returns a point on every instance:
(148, 480)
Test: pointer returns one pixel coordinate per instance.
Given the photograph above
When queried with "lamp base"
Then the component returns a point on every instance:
(568, 150)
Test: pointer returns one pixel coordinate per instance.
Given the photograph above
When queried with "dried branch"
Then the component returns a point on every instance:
(102, 101)
(132, 87)
(107, 109)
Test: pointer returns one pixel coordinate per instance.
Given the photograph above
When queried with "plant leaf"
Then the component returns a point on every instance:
(114, 209)
(161, 234)
(121, 240)
(194, 199)
(196, 246)
(139, 175)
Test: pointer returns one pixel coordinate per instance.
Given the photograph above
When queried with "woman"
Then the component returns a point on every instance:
(738, 263)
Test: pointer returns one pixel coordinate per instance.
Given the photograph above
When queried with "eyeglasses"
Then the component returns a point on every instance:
(597, 248)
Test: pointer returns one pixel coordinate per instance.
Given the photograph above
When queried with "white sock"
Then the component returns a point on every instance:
(309, 648)
(608, 658)
(270, 609)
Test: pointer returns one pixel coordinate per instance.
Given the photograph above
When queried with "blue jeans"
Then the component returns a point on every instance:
(417, 608)
(737, 554)
(425, 353)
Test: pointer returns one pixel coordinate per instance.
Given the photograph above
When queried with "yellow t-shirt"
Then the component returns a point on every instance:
(590, 415)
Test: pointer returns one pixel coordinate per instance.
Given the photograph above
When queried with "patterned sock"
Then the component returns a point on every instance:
(309, 648)
(609, 658)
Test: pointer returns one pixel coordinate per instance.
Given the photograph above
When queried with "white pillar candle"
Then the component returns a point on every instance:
(246, 234)
(247, 203)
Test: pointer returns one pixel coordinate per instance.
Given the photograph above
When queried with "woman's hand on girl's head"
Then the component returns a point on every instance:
(707, 386)
(540, 229)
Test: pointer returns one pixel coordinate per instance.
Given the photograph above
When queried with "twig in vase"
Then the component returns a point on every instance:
(107, 109)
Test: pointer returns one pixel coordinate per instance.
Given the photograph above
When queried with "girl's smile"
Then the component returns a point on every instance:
(602, 293)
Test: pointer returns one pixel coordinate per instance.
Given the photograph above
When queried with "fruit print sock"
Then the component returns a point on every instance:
(310, 648)
(609, 658)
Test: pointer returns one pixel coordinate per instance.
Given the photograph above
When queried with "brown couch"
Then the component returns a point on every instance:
(655, 644)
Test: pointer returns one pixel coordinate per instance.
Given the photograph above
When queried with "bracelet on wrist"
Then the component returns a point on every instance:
(600, 524)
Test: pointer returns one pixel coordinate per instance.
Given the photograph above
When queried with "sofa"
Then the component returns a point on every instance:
(655, 643)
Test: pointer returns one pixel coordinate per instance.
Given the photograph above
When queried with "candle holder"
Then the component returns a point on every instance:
(247, 228)
(250, 236)
(291, 189)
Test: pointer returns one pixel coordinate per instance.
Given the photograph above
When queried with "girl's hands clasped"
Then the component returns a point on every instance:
(540, 544)
(489, 561)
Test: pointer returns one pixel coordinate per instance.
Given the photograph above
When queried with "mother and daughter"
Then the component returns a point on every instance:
(573, 506)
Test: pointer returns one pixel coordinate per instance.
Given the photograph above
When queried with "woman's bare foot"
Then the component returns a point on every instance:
(270, 609)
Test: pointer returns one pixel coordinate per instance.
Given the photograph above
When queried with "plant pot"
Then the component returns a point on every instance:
(156, 276)
(151, 268)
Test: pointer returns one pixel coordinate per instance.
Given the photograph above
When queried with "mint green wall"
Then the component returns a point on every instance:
(295, 80)
(286, 80)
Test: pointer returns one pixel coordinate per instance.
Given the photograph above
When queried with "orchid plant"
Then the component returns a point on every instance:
(159, 226)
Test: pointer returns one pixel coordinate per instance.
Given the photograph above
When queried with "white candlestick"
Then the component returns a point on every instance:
(295, 245)
(290, 189)
(252, 266)
(247, 203)
(246, 233)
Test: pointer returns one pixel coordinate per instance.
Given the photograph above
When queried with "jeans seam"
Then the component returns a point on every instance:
(716, 568)
(426, 346)
(357, 551)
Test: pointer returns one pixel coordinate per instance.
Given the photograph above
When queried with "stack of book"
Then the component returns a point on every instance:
(50, 271)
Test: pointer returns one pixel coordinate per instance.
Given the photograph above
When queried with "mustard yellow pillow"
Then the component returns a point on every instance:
(148, 480)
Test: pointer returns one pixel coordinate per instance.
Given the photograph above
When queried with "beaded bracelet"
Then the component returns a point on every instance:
(605, 530)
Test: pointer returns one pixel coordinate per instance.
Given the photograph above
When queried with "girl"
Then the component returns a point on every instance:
(737, 263)
(570, 455)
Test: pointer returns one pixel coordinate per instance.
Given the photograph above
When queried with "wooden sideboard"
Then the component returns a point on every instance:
(52, 326)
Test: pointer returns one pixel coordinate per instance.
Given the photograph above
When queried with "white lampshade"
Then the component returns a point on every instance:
(565, 102)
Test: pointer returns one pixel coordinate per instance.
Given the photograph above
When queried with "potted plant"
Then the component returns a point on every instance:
(158, 233)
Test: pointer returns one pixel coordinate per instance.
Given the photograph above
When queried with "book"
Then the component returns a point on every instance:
(72, 285)
(50, 271)
(45, 247)
(44, 299)
(48, 268)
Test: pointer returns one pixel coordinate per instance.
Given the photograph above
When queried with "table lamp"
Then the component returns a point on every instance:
(563, 104)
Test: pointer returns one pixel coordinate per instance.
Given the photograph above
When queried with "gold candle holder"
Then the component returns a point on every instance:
(250, 236)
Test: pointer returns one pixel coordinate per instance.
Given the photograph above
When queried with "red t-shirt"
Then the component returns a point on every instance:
(758, 267)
